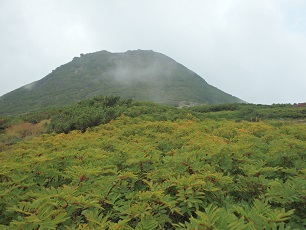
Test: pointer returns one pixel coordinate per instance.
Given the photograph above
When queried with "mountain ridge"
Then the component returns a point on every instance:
(141, 74)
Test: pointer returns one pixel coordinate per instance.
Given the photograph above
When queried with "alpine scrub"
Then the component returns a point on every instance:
(143, 172)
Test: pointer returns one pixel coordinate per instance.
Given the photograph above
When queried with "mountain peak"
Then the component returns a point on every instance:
(140, 74)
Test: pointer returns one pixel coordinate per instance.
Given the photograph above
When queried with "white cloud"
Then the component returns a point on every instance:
(252, 49)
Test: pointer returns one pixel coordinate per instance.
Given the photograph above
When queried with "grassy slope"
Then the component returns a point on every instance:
(143, 75)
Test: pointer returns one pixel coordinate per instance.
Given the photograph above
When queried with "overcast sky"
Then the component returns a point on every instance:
(252, 49)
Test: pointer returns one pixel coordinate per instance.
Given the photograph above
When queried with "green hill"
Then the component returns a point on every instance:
(142, 75)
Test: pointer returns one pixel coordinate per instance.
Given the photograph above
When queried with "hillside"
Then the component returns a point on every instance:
(141, 75)
(148, 166)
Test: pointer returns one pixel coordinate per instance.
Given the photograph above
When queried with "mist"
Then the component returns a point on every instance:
(30, 86)
(151, 70)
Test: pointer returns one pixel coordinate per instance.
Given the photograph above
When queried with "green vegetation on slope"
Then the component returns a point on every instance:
(88, 113)
(100, 110)
(158, 167)
(249, 112)
(141, 75)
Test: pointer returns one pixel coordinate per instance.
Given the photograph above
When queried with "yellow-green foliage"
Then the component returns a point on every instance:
(138, 174)
(19, 131)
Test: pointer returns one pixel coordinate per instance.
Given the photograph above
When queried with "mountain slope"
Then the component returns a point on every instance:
(142, 75)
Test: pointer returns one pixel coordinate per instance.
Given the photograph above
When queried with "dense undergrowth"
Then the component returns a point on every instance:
(157, 167)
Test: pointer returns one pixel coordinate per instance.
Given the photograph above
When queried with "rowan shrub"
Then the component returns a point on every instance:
(134, 173)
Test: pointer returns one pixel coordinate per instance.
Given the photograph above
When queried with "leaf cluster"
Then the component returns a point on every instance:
(88, 113)
(136, 173)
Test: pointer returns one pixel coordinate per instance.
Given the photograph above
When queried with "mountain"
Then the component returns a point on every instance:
(142, 75)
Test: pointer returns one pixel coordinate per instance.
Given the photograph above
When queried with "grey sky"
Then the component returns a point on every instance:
(252, 49)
